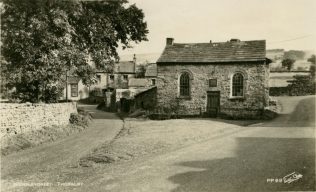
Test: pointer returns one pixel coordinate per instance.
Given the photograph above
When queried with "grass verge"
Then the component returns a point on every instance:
(14, 143)
(144, 137)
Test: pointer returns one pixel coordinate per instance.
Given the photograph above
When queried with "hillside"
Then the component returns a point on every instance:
(300, 57)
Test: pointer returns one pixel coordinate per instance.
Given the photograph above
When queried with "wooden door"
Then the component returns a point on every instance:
(213, 103)
(125, 105)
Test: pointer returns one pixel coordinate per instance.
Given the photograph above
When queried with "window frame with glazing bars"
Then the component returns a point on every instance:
(74, 90)
(184, 85)
(238, 85)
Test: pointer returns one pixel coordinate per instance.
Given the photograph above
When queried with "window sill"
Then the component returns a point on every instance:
(237, 97)
(184, 97)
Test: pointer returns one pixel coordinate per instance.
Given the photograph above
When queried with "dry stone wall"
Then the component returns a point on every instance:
(21, 118)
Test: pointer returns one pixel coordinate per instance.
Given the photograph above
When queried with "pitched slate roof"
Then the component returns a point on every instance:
(135, 82)
(125, 67)
(151, 70)
(214, 52)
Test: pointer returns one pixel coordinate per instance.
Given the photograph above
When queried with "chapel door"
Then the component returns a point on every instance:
(213, 103)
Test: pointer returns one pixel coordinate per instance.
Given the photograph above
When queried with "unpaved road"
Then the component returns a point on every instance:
(62, 153)
(243, 161)
(246, 160)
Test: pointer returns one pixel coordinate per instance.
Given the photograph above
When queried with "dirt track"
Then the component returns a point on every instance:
(62, 153)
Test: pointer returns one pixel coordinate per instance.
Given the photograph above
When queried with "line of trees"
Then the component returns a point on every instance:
(42, 39)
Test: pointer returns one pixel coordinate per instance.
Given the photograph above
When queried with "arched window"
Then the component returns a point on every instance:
(238, 85)
(185, 84)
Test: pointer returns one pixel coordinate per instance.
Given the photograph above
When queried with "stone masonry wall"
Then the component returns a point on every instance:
(256, 87)
(146, 100)
(21, 118)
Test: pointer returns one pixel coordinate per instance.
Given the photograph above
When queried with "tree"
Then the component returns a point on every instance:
(301, 85)
(312, 59)
(42, 39)
(288, 63)
(294, 54)
(141, 70)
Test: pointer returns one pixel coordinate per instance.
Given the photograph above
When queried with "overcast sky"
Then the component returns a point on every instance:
(287, 24)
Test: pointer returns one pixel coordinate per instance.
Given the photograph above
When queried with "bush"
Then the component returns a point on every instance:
(96, 92)
(82, 118)
(302, 85)
(91, 100)
(48, 94)
(278, 69)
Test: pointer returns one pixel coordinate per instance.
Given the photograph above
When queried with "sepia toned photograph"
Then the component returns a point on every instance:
(157, 96)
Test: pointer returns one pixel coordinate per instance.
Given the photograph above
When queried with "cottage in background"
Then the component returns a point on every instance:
(151, 73)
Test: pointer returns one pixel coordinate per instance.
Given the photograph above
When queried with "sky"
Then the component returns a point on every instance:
(286, 24)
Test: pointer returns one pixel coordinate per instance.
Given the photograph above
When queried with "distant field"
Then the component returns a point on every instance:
(302, 63)
(279, 79)
(298, 65)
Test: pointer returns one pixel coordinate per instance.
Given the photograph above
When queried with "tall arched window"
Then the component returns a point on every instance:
(238, 85)
(185, 84)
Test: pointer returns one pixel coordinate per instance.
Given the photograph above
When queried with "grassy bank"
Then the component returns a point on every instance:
(21, 141)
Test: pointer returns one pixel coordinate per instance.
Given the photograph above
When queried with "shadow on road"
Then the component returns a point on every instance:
(98, 114)
(243, 123)
(255, 161)
(104, 115)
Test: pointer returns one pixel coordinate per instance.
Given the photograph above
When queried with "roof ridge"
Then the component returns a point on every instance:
(214, 52)
(263, 40)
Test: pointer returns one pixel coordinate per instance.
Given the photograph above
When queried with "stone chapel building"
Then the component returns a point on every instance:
(214, 79)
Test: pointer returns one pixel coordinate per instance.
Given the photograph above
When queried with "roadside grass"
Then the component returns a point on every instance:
(32, 138)
(141, 137)
(14, 143)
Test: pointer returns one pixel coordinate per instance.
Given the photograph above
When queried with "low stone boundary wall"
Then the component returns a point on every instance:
(20, 118)
(279, 91)
(244, 113)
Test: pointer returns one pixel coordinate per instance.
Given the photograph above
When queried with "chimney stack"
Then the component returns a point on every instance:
(169, 41)
(134, 61)
(134, 58)
(235, 40)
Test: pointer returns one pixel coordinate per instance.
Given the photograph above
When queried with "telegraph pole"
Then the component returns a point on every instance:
(67, 86)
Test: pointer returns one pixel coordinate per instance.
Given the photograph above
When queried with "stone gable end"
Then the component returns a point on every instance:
(256, 75)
